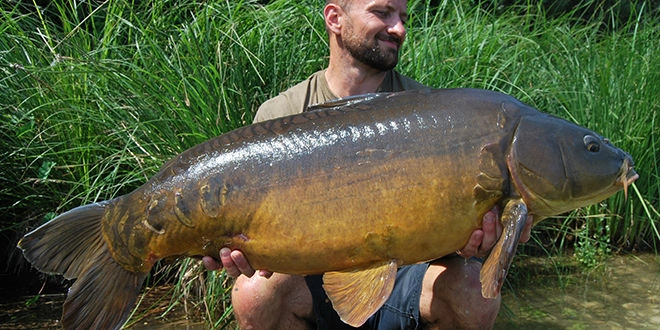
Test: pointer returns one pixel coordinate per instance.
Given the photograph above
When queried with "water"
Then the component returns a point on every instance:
(622, 293)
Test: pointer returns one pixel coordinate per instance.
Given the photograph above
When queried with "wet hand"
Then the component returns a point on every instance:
(234, 263)
(482, 240)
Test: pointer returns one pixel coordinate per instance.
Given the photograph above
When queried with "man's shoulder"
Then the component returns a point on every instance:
(289, 102)
(396, 82)
(284, 104)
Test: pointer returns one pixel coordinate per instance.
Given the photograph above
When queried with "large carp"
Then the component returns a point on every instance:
(352, 190)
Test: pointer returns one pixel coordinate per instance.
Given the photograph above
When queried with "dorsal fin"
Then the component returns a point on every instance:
(345, 101)
(358, 294)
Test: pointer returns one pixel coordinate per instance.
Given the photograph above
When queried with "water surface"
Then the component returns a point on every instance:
(621, 293)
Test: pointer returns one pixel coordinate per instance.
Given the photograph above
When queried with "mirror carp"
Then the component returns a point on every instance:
(352, 189)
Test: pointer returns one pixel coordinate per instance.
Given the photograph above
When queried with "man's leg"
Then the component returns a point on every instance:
(279, 302)
(400, 311)
(451, 299)
(451, 296)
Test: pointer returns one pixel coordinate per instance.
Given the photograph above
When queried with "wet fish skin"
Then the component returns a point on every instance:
(353, 190)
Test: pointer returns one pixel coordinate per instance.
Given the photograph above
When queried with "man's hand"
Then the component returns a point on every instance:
(234, 262)
(482, 240)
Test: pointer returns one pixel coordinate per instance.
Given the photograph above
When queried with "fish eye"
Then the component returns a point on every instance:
(591, 143)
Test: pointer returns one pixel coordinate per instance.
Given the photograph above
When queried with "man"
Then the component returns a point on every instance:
(364, 37)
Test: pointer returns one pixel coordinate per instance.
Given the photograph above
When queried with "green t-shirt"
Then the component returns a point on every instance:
(315, 90)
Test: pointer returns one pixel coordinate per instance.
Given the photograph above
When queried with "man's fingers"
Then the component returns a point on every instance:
(228, 263)
(471, 249)
(243, 266)
(489, 226)
(210, 263)
(265, 273)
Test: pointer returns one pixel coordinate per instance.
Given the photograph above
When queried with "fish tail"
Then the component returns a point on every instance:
(494, 270)
(72, 245)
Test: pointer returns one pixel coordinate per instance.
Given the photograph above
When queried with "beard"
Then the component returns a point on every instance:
(369, 52)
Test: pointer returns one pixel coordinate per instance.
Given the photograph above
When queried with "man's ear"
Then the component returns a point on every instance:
(333, 16)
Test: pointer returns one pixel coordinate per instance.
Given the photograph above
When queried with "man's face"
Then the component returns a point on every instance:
(374, 31)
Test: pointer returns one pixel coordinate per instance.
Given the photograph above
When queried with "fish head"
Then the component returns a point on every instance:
(557, 166)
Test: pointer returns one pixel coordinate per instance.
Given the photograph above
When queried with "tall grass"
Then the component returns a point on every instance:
(95, 96)
(594, 73)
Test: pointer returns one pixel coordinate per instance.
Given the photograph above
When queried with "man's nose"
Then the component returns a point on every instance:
(398, 29)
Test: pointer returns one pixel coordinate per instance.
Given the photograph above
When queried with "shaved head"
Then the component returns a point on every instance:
(344, 4)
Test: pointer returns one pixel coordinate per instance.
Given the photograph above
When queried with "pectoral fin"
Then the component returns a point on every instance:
(497, 265)
(358, 294)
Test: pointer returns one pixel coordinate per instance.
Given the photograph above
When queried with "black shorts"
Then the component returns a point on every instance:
(400, 311)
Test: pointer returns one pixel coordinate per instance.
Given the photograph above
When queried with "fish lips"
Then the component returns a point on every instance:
(628, 174)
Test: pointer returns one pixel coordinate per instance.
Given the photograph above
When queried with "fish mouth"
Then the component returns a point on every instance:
(628, 175)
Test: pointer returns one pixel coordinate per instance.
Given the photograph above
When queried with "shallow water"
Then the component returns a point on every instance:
(622, 293)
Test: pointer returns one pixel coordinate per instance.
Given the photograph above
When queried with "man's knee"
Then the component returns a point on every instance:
(451, 296)
(267, 303)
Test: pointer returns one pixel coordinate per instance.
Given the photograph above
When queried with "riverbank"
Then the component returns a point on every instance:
(620, 293)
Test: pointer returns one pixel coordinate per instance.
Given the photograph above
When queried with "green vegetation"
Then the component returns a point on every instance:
(95, 96)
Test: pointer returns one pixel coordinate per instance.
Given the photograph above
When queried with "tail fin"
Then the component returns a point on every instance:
(72, 245)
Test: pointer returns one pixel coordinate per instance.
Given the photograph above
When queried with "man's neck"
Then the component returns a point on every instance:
(347, 80)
